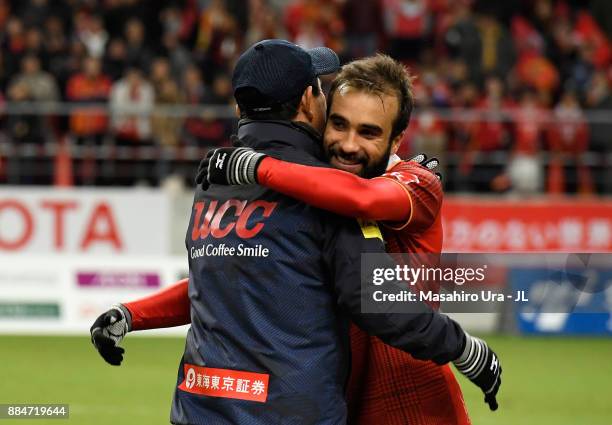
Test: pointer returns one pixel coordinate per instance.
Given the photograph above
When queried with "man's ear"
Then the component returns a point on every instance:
(306, 106)
(238, 113)
(395, 143)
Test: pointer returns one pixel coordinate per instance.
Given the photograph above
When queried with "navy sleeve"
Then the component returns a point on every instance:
(425, 334)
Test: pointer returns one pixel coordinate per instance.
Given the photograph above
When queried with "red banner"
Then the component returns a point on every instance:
(568, 225)
(225, 383)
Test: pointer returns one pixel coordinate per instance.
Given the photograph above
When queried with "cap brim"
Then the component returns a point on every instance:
(324, 60)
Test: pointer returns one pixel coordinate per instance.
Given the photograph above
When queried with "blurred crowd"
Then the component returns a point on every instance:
(511, 95)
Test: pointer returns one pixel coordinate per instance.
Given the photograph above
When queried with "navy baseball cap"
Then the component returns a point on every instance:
(281, 70)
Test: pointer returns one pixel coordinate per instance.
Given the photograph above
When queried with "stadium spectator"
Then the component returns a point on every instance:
(201, 130)
(5, 12)
(525, 173)
(41, 86)
(34, 12)
(221, 91)
(171, 20)
(497, 51)
(487, 136)
(160, 73)
(426, 133)
(263, 24)
(529, 124)
(588, 34)
(180, 58)
(455, 72)
(309, 35)
(462, 129)
(220, 94)
(90, 31)
(193, 84)
(34, 46)
(137, 50)
(568, 137)
(544, 20)
(298, 12)
(166, 128)
(131, 99)
(115, 59)
(27, 131)
(88, 127)
(23, 127)
(533, 68)
(462, 38)
(431, 80)
(599, 98)
(216, 34)
(89, 85)
(240, 11)
(57, 49)
(72, 63)
(602, 12)
(408, 25)
(117, 14)
(364, 27)
(13, 45)
(492, 133)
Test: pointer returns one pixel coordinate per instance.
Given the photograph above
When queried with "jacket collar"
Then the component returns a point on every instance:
(273, 134)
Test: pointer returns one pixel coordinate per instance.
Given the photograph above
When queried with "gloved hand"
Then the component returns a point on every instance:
(107, 332)
(229, 166)
(481, 366)
(430, 164)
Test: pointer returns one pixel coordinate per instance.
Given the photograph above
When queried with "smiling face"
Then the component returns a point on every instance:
(369, 107)
(357, 136)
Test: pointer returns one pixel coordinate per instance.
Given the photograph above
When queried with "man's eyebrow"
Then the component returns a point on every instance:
(337, 116)
(372, 128)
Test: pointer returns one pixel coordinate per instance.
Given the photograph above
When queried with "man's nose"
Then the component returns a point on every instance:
(349, 145)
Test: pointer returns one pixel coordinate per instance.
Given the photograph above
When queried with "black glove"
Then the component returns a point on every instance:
(430, 164)
(481, 366)
(202, 174)
(229, 166)
(107, 332)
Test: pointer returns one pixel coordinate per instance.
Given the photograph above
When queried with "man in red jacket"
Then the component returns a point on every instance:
(387, 386)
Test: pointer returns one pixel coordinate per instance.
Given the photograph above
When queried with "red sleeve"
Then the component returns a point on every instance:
(425, 192)
(336, 191)
(164, 309)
